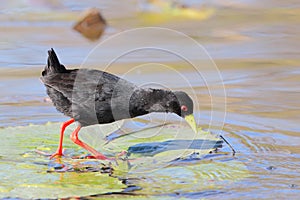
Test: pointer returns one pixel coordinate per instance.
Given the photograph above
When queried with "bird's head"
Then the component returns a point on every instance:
(185, 108)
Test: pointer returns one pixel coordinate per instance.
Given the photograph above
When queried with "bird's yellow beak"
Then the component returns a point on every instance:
(191, 121)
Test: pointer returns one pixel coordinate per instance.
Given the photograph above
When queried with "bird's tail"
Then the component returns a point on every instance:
(53, 64)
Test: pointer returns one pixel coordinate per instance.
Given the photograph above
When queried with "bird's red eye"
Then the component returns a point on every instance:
(184, 108)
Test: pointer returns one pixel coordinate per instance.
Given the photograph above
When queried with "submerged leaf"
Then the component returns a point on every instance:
(200, 176)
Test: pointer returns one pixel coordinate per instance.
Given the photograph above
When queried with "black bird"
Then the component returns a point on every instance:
(91, 97)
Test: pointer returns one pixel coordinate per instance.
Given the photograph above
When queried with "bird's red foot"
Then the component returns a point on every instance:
(56, 154)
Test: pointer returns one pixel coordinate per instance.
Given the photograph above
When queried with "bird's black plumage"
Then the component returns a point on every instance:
(91, 97)
(96, 97)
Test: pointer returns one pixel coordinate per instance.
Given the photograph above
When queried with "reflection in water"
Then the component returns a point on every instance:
(253, 45)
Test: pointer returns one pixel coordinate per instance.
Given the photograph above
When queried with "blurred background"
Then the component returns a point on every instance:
(255, 45)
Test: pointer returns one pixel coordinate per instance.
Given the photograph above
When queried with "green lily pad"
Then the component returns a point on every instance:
(157, 161)
(24, 173)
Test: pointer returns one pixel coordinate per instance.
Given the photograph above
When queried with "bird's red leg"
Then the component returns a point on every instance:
(60, 146)
(96, 154)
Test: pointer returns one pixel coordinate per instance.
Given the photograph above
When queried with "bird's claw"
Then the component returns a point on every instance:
(57, 154)
(51, 156)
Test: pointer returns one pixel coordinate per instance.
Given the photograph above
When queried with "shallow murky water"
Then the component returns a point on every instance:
(253, 44)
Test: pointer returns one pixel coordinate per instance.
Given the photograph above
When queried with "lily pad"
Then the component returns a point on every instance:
(24, 173)
(161, 159)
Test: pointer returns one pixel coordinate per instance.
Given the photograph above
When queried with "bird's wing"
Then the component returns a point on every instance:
(82, 85)
(94, 94)
(61, 82)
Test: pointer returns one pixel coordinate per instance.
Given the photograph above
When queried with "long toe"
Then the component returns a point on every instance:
(57, 154)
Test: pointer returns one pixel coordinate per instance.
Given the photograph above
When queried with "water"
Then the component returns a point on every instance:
(253, 44)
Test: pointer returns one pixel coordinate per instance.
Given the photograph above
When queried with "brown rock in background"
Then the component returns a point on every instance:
(91, 24)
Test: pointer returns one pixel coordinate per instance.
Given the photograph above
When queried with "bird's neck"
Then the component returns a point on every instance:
(145, 101)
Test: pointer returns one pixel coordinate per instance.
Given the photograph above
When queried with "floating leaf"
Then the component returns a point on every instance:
(24, 173)
(161, 159)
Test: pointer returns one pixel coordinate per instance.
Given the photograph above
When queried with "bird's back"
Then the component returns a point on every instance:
(87, 95)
